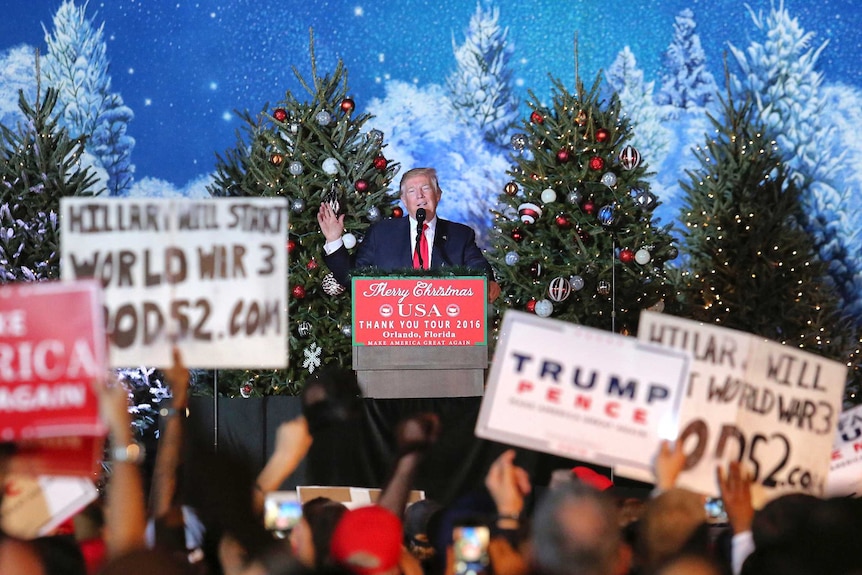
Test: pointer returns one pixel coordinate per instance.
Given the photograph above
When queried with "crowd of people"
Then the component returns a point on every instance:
(580, 524)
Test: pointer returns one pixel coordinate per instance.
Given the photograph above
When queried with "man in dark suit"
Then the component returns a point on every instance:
(391, 244)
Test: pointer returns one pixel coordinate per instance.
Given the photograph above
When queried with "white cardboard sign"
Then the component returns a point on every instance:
(770, 406)
(845, 471)
(580, 392)
(211, 274)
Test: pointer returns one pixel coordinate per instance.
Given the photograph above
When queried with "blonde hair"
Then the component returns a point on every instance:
(430, 172)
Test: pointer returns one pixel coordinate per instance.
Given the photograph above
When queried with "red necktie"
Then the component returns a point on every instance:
(423, 249)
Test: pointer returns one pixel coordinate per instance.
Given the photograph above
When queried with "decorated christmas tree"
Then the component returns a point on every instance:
(575, 239)
(39, 164)
(749, 263)
(310, 151)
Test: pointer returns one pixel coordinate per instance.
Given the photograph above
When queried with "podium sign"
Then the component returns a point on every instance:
(390, 311)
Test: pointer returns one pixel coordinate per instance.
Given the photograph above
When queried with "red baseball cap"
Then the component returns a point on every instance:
(367, 540)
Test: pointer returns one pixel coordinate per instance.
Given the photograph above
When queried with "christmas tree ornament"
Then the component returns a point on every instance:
(644, 199)
(280, 114)
(293, 127)
(349, 240)
(627, 256)
(642, 256)
(331, 286)
(295, 168)
(304, 328)
(630, 158)
(609, 179)
(607, 215)
(311, 265)
(347, 330)
(563, 155)
(331, 200)
(360, 185)
(246, 389)
(330, 166)
(548, 195)
(276, 159)
(574, 197)
(397, 212)
(298, 292)
(602, 135)
(559, 289)
(375, 137)
(577, 283)
(589, 207)
(603, 287)
(529, 212)
(581, 118)
(672, 253)
(297, 205)
(511, 188)
(512, 258)
(517, 235)
(597, 163)
(323, 118)
(518, 142)
(347, 105)
(291, 246)
(380, 163)
(544, 308)
(536, 269)
(537, 118)
(584, 236)
(531, 306)
(373, 214)
(563, 221)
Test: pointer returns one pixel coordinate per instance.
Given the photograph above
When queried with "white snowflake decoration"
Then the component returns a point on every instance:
(312, 357)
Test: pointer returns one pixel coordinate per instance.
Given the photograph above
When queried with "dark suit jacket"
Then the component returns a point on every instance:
(387, 247)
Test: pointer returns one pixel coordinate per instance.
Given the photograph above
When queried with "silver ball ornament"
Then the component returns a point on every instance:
(577, 283)
(642, 256)
(609, 179)
(295, 168)
(330, 166)
(512, 258)
(331, 286)
(297, 205)
(323, 118)
(574, 197)
(304, 328)
(373, 214)
(544, 308)
(548, 195)
(347, 331)
(349, 240)
(519, 142)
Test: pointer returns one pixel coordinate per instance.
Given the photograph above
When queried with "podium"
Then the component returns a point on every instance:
(420, 337)
(421, 371)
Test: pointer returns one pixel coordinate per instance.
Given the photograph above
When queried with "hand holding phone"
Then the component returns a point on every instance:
(282, 510)
(470, 544)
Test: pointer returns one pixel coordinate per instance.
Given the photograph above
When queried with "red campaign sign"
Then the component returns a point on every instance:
(77, 455)
(52, 347)
(420, 311)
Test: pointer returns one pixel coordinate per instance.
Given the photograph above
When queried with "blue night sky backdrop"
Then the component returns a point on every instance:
(184, 66)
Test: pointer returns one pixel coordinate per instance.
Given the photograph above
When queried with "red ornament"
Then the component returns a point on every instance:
(311, 265)
(397, 212)
(360, 185)
(602, 135)
(531, 306)
(291, 246)
(627, 256)
(597, 163)
(380, 163)
(280, 114)
(347, 105)
(563, 221)
(298, 292)
(537, 118)
(563, 156)
(534, 177)
(517, 234)
(589, 207)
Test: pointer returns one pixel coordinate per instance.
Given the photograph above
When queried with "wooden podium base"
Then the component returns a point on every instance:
(402, 372)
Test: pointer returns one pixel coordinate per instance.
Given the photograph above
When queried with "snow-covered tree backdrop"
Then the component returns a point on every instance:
(445, 95)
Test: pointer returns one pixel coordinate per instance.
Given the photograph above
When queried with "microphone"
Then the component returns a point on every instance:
(420, 220)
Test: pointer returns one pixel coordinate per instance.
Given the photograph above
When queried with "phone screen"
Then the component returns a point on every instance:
(470, 543)
(282, 510)
(715, 512)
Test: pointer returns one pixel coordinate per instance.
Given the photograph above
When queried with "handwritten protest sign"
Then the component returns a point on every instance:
(845, 471)
(211, 273)
(51, 350)
(771, 406)
(580, 392)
